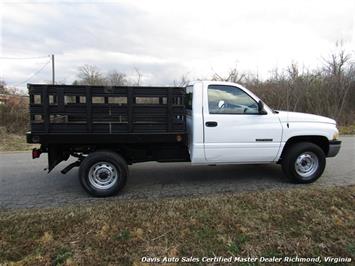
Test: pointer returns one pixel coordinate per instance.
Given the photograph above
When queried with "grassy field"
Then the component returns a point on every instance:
(13, 142)
(347, 130)
(303, 222)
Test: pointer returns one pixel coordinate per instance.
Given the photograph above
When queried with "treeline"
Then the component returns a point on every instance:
(91, 75)
(14, 117)
(328, 90)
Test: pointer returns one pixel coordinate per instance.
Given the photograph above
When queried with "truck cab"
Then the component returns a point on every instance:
(226, 125)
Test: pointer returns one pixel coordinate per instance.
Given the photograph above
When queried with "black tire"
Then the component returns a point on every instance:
(111, 165)
(305, 152)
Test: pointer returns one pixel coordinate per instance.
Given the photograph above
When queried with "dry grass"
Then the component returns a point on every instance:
(14, 142)
(347, 130)
(299, 222)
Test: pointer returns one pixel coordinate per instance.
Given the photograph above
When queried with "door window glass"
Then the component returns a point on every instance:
(224, 99)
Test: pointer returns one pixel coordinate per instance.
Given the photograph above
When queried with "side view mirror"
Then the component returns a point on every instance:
(220, 104)
(261, 108)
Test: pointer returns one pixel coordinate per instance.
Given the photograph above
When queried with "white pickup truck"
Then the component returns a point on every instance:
(207, 122)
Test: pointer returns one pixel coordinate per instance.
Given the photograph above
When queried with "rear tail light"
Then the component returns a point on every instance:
(178, 138)
(36, 153)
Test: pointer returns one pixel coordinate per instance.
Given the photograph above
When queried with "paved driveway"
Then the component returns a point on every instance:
(24, 184)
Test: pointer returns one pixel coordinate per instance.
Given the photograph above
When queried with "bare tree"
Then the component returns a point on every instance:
(233, 76)
(115, 78)
(90, 75)
(139, 76)
(2, 87)
(5, 89)
(339, 75)
(184, 80)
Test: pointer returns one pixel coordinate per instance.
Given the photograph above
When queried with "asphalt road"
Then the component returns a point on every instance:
(24, 183)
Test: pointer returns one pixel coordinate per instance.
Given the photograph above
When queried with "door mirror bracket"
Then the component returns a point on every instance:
(261, 108)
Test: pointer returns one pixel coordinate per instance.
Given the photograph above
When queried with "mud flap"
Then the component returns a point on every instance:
(55, 156)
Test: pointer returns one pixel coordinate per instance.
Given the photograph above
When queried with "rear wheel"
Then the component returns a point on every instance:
(304, 162)
(103, 173)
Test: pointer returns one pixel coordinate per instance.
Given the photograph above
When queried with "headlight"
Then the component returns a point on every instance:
(336, 135)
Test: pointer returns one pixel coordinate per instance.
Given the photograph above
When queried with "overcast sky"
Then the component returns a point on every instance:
(168, 39)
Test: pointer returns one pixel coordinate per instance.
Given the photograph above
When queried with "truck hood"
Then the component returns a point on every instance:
(303, 117)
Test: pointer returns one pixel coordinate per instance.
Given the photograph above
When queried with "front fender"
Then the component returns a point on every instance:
(320, 133)
(294, 129)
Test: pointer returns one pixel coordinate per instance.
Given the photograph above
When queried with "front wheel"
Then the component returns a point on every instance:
(304, 162)
(103, 173)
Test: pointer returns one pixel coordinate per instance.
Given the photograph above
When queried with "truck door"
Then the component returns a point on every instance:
(234, 131)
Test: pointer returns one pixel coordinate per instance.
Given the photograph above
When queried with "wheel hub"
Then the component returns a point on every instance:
(103, 175)
(306, 164)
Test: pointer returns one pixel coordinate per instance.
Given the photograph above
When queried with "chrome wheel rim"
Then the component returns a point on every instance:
(103, 175)
(306, 164)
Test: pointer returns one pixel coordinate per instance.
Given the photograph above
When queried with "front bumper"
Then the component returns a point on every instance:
(334, 147)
